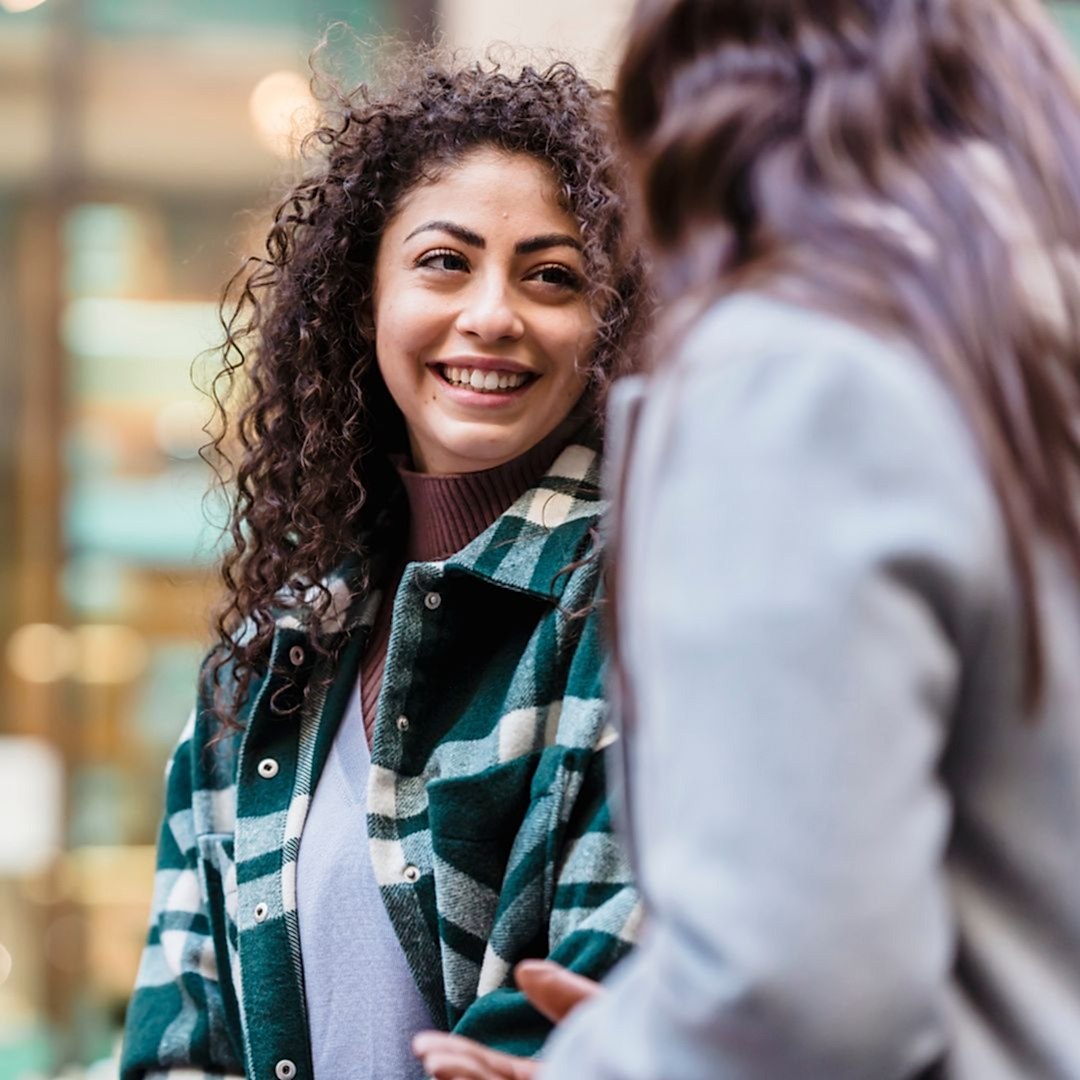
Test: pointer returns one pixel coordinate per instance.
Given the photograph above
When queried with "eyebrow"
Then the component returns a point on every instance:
(473, 239)
(549, 240)
(466, 236)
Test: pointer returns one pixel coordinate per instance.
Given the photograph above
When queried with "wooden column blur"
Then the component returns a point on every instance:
(42, 708)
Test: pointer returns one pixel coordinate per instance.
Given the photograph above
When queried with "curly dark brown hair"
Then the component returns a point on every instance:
(314, 423)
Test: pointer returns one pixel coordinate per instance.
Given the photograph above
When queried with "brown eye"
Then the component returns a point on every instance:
(558, 275)
(444, 259)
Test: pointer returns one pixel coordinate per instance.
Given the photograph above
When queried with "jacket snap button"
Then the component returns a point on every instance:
(296, 656)
(412, 874)
(261, 911)
(403, 723)
(268, 768)
(285, 1069)
(432, 601)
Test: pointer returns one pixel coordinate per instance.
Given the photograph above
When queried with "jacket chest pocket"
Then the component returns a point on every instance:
(491, 838)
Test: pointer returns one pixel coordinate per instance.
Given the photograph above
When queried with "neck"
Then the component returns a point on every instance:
(447, 512)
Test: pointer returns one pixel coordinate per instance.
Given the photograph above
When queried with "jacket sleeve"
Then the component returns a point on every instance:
(816, 551)
(594, 914)
(179, 1020)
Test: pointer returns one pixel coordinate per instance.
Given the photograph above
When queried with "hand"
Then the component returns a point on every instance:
(552, 989)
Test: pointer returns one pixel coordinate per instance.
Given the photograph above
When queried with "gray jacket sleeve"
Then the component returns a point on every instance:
(810, 551)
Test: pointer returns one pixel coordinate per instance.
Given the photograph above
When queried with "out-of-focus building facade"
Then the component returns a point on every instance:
(587, 33)
(141, 142)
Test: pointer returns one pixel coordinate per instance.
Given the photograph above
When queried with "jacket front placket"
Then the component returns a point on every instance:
(400, 848)
(275, 778)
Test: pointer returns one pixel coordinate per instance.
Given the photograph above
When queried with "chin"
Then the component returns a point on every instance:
(473, 455)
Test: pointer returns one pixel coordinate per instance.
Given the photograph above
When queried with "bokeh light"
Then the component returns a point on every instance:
(41, 653)
(283, 110)
(17, 6)
(108, 655)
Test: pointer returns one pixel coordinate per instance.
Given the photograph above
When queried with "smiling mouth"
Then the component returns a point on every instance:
(485, 382)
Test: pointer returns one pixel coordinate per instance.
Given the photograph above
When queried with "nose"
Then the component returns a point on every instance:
(489, 312)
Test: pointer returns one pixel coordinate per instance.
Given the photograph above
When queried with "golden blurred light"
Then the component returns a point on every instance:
(41, 652)
(283, 110)
(107, 655)
(5, 965)
(97, 653)
(17, 6)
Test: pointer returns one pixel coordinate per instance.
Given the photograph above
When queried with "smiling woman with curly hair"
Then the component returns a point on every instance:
(392, 788)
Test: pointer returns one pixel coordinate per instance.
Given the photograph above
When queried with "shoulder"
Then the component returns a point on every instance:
(772, 413)
(750, 342)
(758, 375)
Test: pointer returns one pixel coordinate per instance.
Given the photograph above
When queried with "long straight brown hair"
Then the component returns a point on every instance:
(912, 165)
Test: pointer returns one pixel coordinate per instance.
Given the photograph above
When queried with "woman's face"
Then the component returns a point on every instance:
(482, 328)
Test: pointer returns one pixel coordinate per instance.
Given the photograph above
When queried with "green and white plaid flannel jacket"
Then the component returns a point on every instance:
(490, 831)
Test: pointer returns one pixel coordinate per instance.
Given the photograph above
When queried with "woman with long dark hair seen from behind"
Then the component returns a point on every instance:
(848, 549)
(851, 668)
(392, 788)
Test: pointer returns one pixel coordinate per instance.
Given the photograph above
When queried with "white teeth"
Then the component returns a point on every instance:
(484, 381)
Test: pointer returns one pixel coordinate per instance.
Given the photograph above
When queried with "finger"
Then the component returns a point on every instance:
(450, 1065)
(445, 1057)
(552, 989)
(427, 1041)
(471, 1060)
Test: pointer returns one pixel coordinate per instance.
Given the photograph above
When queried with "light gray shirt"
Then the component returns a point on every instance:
(363, 1004)
(857, 854)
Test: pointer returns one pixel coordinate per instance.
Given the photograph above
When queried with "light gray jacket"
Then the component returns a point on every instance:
(857, 854)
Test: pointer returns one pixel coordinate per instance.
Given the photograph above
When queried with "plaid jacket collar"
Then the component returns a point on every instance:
(526, 549)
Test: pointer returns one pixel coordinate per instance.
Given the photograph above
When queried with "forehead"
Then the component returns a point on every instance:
(490, 187)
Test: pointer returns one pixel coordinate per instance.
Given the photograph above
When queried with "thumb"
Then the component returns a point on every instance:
(552, 989)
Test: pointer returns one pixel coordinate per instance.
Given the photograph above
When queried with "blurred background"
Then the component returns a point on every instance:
(140, 144)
